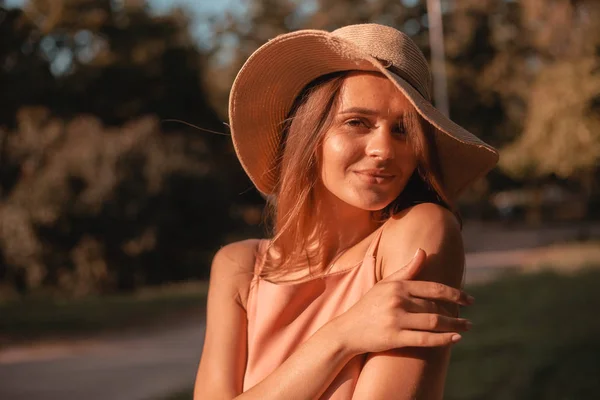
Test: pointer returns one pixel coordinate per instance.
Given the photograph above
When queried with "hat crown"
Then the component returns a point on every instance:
(396, 50)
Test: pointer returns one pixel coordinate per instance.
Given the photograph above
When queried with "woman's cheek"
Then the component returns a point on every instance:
(338, 152)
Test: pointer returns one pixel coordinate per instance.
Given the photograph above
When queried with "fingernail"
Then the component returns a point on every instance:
(468, 325)
(416, 253)
(455, 338)
(470, 299)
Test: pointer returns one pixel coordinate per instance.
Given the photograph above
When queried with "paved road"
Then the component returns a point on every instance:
(141, 367)
(148, 366)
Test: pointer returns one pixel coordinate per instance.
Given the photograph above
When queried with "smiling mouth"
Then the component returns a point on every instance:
(374, 176)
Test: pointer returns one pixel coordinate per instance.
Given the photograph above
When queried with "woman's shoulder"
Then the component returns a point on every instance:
(233, 268)
(241, 253)
(423, 217)
(428, 226)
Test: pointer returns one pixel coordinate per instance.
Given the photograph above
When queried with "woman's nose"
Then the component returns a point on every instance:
(381, 144)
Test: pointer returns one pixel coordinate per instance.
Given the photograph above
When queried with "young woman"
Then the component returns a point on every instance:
(356, 295)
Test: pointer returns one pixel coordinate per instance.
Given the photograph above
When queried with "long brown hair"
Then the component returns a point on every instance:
(293, 211)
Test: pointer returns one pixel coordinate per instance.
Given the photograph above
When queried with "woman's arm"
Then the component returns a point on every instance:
(305, 374)
(221, 371)
(410, 372)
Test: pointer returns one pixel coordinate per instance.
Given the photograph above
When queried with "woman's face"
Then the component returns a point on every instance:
(366, 158)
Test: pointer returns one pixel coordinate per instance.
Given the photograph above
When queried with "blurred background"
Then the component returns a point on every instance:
(118, 183)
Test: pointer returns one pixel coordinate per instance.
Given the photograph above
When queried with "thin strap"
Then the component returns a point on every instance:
(371, 256)
(372, 250)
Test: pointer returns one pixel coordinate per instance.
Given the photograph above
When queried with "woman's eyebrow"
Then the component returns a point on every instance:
(359, 110)
(367, 111)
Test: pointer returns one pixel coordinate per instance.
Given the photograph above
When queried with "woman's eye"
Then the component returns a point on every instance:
(399, 130)
(356, 123)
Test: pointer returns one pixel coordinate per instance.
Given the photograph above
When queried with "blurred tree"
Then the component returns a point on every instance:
(561, 134)
(236, 36)
(480, 38)
(108, 208)
(132, 62)
(24, 72)
(98, 193)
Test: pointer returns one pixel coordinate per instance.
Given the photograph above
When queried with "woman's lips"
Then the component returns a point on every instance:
(374, 176)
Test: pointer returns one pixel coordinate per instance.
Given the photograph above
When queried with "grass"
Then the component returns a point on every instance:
(535, 337)
(182, 395)
(38, 317)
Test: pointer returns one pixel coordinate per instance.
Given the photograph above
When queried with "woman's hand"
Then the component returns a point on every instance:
(398, 312)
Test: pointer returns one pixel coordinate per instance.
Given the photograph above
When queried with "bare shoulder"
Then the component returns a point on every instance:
(241, 254)
(432, 228)
(421, 224)
(426, 218)
(233, 268)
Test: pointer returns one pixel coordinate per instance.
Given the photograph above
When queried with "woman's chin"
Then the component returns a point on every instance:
(371, 203)
(367, 200)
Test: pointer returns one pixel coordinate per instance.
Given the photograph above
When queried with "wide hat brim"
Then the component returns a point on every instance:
(275, 74)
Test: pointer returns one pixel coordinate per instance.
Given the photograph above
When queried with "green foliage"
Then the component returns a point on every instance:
(114, 61)
(100, 209)
(561, 132)
(561, 101)
(534, 337)
(98, 192)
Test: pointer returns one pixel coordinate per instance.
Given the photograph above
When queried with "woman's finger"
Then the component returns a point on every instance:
(434, 323)
(411, 269)
(437, 291)
(416, 305)
(408, 338)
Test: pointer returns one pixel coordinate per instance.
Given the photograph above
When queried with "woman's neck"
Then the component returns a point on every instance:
(341, 226)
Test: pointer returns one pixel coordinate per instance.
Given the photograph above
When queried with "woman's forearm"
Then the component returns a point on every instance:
(308, 372)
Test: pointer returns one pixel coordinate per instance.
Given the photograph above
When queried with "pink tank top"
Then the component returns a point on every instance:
(281, 316)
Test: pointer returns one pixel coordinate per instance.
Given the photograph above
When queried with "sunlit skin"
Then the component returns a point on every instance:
(365, 159)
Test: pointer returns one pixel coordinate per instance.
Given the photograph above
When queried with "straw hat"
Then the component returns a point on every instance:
(275, 74)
